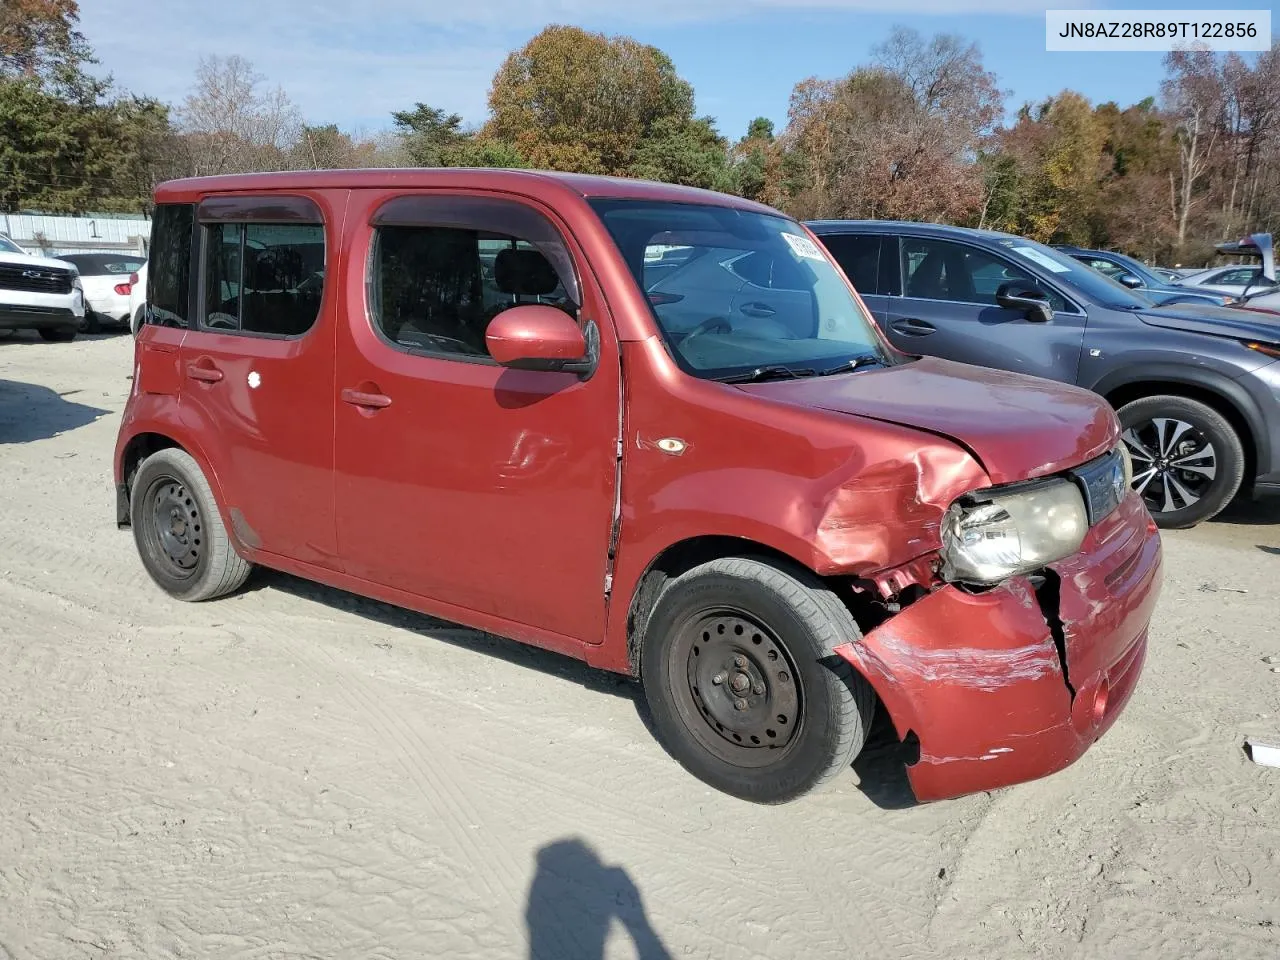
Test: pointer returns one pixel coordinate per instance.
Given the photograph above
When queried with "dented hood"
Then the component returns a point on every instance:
(1018, 427)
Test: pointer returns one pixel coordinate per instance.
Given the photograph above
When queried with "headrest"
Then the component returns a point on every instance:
(524, 273)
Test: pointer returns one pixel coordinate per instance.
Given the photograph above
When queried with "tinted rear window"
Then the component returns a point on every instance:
(169, 263)
(103, 264)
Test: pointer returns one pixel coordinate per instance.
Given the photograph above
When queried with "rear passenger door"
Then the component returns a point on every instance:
(257, 367)
(948, 309)
(870, 261)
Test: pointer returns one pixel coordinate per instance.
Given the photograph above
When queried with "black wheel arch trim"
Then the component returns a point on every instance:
(1208, 379)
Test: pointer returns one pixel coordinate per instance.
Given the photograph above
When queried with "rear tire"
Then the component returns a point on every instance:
(745, 689)
(92, 323)
(179, 531)
(58, 334)
(1188, 461)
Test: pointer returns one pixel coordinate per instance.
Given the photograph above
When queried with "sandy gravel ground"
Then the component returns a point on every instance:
(296, 772)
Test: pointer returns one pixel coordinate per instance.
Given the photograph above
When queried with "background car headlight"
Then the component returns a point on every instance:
(995, 534)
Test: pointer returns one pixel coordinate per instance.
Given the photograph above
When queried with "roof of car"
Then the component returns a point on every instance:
(895, 226)
(519, 181)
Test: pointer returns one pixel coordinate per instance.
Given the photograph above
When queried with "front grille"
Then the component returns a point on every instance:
(14, 276)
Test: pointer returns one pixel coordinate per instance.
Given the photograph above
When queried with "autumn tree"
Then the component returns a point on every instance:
(899, 138)
(574, 100)
(41, 40)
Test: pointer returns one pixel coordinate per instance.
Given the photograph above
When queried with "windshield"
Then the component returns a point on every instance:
(735, 291)
(1071, 272)
(8, 246)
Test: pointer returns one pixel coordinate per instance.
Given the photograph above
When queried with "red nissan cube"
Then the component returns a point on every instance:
(650, 427)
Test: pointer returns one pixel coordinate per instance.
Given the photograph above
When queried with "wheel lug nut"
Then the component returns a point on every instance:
(718, 679)
(758, 689)
(739, 661)
(739, 704)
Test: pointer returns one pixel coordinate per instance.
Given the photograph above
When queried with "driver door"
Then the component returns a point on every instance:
(948, 309)
(482, 488)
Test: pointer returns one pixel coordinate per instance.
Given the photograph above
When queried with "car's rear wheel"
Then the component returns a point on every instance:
(1188, 461)
(92, 322)
(179, 532)
(58, 334)
(745, 689)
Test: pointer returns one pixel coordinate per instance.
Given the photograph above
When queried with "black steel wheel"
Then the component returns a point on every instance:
(745, 691)
(178, 530)
(1188, 461)
(741, 695)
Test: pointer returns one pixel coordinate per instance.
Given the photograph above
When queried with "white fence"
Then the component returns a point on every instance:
(54, 235)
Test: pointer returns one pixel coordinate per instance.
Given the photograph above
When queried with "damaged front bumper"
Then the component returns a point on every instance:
(1015, 683)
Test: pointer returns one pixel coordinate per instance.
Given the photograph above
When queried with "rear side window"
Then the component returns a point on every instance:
(169, 264)
(859, 258)
(442, 267)
(264, 278)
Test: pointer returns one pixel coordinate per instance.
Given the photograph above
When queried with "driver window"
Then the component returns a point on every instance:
(942, 270)
(262, 278)
(435, 289)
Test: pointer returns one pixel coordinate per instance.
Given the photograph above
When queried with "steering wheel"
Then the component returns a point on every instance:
(709, 325)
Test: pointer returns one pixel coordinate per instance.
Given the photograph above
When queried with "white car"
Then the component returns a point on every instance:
(38, 293)
(137, 298)
(106, 278)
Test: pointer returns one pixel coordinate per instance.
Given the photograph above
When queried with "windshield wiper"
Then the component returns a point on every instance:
(773, 371)
(854, 363)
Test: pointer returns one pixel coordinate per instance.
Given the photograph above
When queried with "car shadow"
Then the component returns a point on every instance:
(29, 412)
(431, 628)
(573, 901)
(1274, 551)
(882, 767)
(1251, 513)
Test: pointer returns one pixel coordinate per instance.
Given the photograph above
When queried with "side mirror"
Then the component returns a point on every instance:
(538, 337)
(1027, 298)
(1130, 281)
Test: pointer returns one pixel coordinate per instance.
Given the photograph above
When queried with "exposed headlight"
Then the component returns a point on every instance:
(993, 534)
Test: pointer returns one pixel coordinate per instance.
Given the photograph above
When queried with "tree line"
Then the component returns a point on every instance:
(918, 133)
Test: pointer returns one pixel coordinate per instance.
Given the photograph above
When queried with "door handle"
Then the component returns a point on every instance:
(204, 372)
(914, 328)
(758, 309)
(359, 398)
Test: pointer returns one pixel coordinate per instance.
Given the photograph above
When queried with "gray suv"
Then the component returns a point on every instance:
(1196, 387)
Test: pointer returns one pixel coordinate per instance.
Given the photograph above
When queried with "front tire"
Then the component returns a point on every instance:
(179, 531)
(1188, 461)
(745, 689)
(58, 334)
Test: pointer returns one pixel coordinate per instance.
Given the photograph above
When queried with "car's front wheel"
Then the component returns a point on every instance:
(58, 334)
(1188, 461)
(178, 530)
(745, 690)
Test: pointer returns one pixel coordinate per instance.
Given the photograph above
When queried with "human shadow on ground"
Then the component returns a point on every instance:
(30, 412)
(574, 899)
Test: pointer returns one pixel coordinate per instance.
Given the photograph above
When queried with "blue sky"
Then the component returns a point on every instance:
(354, 61)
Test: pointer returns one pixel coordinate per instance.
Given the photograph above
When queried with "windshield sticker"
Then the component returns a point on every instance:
(1031, 253)
(803, 247)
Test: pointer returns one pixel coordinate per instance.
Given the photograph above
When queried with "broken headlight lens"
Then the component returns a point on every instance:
(997, 533)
